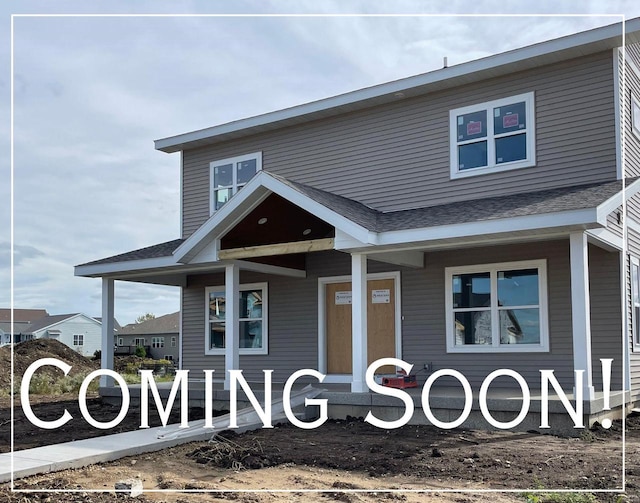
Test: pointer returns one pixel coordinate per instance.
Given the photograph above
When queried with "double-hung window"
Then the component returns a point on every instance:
(78, 339)
(157, 342)
(497, 307)
(228, 176)
(491, 137)
(252, 313)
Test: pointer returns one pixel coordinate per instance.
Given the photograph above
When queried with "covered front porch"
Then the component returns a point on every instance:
(277, 246)
(446, 404)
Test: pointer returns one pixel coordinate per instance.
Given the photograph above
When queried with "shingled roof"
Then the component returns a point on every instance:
(461, 212)
(22, 315)
(167, 324)
(155, 251)
(476, 210)
(491, 208)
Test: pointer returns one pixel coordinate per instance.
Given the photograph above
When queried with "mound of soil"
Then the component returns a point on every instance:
(25, 353)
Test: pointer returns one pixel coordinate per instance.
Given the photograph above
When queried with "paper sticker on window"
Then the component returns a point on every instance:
(474, 128)
(510, 120)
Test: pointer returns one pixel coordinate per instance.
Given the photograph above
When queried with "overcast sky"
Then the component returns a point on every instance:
(92, 93)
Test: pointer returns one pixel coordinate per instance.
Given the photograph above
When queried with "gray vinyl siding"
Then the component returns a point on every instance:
(632, 80)
(633, 208)
(612, 222)
(293, 316)
(396, 156)
(634, 356)
(606, 314)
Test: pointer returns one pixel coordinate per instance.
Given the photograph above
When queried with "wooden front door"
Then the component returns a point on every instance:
(381, 324)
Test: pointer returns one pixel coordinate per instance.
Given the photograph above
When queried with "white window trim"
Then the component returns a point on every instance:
(496, 347)
(174, 342)
(230, 160)
(157, 342)
(120, 341)
(635, 343)
(530, 130)
(634, 127)
(264, 350)
(80, 339)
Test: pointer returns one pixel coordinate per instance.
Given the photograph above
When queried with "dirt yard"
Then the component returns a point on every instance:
(341, 455)
(350, 461)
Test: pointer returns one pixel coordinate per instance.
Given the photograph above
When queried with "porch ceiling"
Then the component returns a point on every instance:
(276, 220)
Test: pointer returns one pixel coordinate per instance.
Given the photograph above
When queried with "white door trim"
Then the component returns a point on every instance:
(322, 312)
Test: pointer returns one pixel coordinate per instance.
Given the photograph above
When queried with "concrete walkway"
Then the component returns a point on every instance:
(81, 453)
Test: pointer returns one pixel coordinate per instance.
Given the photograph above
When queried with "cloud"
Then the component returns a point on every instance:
(21, 253)
(91, 95)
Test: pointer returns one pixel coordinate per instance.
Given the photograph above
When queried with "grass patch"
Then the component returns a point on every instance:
(43, 384)
(560, 498)
(131, 378)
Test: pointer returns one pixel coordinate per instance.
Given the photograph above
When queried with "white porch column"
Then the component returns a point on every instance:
(580, 310)
(232, 324)
(359, 322)
(107, 330)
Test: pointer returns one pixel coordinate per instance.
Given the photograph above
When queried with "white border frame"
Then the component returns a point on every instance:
(234, 188)
(511, 56)
(322, 326)
(492, 167)
(264, 350)
(496, 347)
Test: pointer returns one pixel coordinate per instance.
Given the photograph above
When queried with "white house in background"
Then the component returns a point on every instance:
(78, 331)
(22, 320)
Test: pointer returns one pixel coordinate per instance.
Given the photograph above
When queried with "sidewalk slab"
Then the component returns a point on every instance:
(81, 453)
(94, 450)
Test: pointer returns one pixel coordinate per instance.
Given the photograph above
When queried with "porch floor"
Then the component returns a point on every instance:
(339, 394)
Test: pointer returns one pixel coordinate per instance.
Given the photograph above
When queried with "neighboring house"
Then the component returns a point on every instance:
(116, 325)
(470, 218)
(22, 318)
(81, 333)
(159, 336)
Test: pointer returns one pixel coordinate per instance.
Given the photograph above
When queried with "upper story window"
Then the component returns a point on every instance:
(490, 137)
(78, 339)
(635, 115)
(228, 176)
(497, 307)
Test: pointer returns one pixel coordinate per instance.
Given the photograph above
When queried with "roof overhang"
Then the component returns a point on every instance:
(199, 253)
(552, 51)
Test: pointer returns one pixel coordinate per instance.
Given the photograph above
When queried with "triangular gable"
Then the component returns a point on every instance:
(51, 321)
(255, 192)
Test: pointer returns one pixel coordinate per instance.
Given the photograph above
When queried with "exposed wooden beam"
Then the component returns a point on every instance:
(311, 245)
